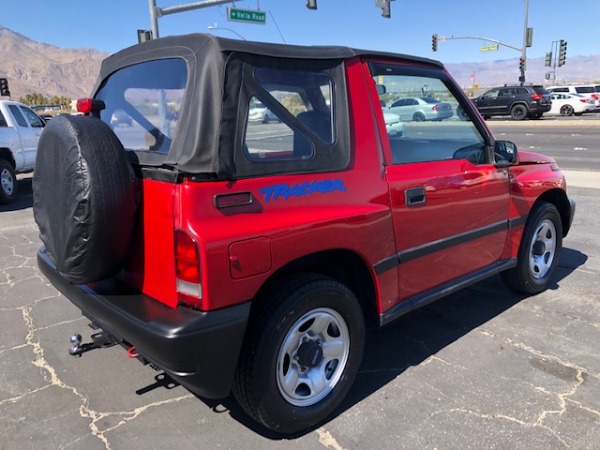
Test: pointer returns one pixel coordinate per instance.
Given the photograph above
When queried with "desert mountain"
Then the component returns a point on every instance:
(35, 67)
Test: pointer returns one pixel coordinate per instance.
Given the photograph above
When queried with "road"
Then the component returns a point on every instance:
(574, 143)
(484, 368)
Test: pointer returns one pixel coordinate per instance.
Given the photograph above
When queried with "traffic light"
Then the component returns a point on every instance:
(311, 4)
(385, 6)
(548, 59)
(562, 53)
(522, 64)
(4, 88)
(434, 40)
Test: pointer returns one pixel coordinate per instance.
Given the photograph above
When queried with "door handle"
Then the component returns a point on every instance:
(415, 196)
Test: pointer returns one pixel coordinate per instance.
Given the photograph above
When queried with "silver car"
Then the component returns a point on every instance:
(419, 109)
(260, 113)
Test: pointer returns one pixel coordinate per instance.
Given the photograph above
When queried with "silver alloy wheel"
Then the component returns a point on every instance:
(542, 249)
(312, 357)
(7, 182)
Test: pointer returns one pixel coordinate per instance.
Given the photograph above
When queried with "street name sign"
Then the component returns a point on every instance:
(246, 15)
(489, 48)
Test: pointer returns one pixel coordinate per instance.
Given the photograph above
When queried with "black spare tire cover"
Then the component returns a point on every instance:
(84, 198)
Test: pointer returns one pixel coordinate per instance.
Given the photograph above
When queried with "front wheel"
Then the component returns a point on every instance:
(538, 252)
(302, 352)
(8, 182)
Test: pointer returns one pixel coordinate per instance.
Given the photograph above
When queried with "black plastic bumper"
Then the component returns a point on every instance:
(197, 349)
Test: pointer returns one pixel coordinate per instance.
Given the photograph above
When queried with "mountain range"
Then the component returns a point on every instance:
(35, 67)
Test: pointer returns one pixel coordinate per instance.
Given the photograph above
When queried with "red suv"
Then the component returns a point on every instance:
(244, 256)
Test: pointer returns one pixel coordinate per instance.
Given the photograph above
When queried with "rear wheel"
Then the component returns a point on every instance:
(518, 112)
(303, 348)
(566, 110)
(418, 117)
(539, 251)
(8, 182)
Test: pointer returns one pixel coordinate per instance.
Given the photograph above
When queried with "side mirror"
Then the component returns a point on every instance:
(381, 89)
(505, 153)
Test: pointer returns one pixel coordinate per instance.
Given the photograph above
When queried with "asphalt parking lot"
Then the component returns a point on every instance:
(482, 369)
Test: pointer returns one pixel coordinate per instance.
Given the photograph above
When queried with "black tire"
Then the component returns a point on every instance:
(567, 110)
(8, 182)
(418, 117)
(84, 198)
(518, 112)
(291, 325)
(539, 251)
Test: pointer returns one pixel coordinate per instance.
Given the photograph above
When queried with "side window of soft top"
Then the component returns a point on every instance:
(290, 115)
(293, 112)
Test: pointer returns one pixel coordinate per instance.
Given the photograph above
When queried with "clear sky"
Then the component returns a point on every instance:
(110, 25)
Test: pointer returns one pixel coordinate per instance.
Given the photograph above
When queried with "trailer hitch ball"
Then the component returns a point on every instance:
(75, 344)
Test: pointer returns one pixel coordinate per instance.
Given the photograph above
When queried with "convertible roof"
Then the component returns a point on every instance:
(196, 148)
(206, 43)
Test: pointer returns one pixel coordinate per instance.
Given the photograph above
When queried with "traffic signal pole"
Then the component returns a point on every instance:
(156, 12)
(527, 42)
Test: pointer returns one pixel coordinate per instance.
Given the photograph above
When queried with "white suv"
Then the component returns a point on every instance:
(587, 90)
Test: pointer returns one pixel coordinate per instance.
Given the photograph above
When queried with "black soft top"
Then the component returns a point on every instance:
(195, 146)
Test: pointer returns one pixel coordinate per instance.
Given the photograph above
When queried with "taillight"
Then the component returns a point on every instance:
(595, 96)
(187, 270)
(435, 107)
(90, 105)
(583, 100)
(537, 96)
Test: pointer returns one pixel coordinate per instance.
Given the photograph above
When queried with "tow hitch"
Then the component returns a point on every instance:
(99, 340)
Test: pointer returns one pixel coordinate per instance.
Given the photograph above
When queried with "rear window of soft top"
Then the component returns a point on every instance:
(143, 103)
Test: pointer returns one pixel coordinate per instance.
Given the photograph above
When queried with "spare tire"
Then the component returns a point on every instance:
(84, 198)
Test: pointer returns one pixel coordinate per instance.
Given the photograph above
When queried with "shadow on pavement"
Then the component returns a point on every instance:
(24, 196)
(413, 338)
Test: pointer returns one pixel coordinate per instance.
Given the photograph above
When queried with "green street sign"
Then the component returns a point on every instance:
(246, 15)
(489, 48)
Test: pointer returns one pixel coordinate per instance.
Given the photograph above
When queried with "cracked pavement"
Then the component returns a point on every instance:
(484, 368)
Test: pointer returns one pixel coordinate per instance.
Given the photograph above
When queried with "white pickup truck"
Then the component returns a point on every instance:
(20, 130)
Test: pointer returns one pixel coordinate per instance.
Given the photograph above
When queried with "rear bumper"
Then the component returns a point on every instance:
(197, 349)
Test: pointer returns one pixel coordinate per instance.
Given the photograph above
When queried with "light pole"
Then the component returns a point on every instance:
(216, 27)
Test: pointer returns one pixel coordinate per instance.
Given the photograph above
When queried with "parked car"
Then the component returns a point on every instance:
(120, 117)
(519, 102)
(260, 113)
(393, 124)
(419, 109)
(252, 263)
(20, 130)
(568, 104)
(587, 90)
